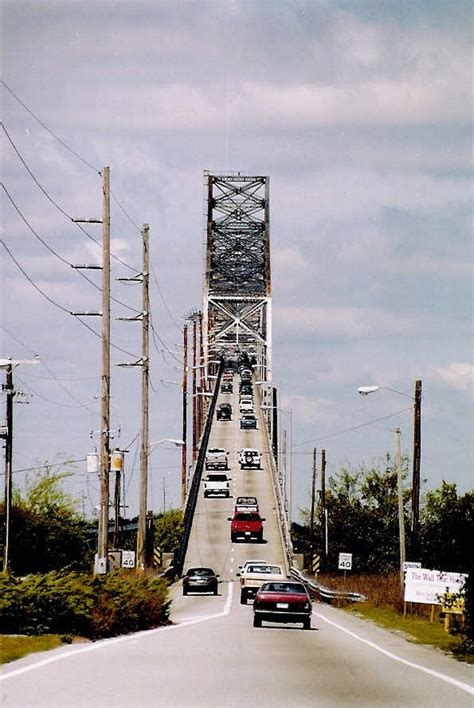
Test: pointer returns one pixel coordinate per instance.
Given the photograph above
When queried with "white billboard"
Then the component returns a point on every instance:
(429, 586)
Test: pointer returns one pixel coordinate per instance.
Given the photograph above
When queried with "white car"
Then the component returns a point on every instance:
(254, 575)
(250, 458)
(246, 407)
(251, 561)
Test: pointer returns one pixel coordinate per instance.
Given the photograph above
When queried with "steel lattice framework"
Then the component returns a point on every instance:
(237, 289)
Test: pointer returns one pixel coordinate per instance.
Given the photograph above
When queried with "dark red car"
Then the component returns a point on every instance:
(282, 602)
(246, 525)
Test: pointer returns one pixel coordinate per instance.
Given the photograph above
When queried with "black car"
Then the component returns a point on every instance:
(245, 388)
(200, 580)
(224, 411)
(227, 387)
(248, 421)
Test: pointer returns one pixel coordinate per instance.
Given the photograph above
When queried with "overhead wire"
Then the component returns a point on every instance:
(354, 427)
(57, 305)
(54, 202)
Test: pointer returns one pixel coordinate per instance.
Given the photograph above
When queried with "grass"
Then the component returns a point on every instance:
(14, 646)
(384, 606)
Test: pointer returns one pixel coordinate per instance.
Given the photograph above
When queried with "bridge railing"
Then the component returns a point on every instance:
(283, 526)
(193, 493)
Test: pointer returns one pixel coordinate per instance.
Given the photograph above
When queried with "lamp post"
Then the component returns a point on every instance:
(415, 494)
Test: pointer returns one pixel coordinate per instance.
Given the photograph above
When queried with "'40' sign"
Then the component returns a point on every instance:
(345, 561)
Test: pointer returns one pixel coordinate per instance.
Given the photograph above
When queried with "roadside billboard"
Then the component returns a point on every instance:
(429, 586)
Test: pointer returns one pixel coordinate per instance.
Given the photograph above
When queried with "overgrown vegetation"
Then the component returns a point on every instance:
(17, 646)
(363, 520)
(76, 603)
(46, 531)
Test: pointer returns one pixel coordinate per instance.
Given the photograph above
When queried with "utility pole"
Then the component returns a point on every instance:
(202, 387)
(401, 516)
(194, 389)
(416, 471)
(313, 499)
(284, 471)
(185, 415)
(117, 508)
(105, 402)
(10, 392)
(324, 515)
(142, 527)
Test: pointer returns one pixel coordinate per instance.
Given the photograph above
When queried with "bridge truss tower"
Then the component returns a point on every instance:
(237, 288)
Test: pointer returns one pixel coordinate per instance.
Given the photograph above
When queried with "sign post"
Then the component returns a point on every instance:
(345, 563)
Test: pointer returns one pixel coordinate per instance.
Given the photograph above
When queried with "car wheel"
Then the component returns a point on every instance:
(185, 592)
(307, 623)
(215, 590)
(257, 622)
(232, 537)
(243, 597)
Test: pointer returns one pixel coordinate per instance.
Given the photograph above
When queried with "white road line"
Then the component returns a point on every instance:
(431, 672)
(132, 638)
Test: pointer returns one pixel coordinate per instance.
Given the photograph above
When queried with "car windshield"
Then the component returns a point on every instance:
(295, 588)
(200, 571)
(246, 500)
(216, 451)
(264, 568)
(216, 478)
(247, 517)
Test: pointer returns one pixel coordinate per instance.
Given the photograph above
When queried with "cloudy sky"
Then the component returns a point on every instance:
(360, 113)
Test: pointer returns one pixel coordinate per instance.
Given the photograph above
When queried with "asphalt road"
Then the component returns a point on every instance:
(212, 655)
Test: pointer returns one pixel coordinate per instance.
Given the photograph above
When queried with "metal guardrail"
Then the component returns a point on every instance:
(280, 506)
(325, 593)
(196, 481)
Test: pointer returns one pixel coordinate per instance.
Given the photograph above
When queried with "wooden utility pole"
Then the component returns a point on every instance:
(313, 500)
(144, 451)
(416, 472)
(105, 403)
(323, 504)
(10, 392)
(117, 509)
(202, 387)
(185, 415)
(401, 515)
(194, 389)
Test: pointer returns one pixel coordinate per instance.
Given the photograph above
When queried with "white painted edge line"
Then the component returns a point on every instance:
(431, 672)
(104, 643)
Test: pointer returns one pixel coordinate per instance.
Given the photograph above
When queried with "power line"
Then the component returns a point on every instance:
(120, 205)
(43, 125)
(51, 250)
(55, 204)
(60, 307)
(172, 318)
(55, 403)
(355, 427)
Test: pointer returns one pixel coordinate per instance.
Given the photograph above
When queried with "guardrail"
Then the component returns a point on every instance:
(177, 567)
(325, 593)
(280, 506)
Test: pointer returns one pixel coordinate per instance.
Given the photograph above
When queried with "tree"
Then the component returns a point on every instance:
(46, 532)
(169, 530)
(447, 529)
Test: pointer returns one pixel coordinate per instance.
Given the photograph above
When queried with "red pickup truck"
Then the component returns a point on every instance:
(247, 526)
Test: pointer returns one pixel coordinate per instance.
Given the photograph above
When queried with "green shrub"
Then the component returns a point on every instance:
(76, 603)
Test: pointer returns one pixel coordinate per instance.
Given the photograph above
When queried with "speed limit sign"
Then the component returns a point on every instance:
(345, 561)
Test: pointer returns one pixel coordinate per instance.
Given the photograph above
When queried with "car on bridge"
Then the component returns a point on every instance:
(227, 387)
(224, 411)
(254, 575)
(248, 421)
(246, 407)
(200, 580)
(216, 484)
(250, 458)
(245, 388)
(217, 459)
(282, 602)
(246, 505)
(246, 525)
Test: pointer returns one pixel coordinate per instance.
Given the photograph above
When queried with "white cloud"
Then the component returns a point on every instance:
(458, 374)
(351, 322)
(286, 259)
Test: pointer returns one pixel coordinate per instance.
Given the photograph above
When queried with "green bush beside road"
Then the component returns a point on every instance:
(77, 604)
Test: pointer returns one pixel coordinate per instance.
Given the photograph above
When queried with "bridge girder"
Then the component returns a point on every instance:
(237, 289)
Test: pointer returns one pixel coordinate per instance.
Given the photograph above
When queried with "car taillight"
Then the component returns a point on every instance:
(307, 606)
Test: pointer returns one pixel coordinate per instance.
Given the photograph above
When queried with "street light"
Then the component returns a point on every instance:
(415, 494)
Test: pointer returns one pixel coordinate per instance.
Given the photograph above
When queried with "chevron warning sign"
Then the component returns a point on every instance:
(316, 564)
(157, 556)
